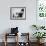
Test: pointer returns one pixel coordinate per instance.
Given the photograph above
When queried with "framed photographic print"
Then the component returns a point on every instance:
(18, 13)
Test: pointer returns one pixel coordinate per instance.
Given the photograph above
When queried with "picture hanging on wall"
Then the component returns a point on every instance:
(18, 13)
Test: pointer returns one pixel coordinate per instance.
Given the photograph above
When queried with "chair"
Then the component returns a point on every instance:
(9, 37)
(14, 32)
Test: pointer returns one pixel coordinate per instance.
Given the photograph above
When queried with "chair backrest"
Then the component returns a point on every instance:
(14, 30)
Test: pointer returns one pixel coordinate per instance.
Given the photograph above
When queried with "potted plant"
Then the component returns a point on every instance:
(39, 35)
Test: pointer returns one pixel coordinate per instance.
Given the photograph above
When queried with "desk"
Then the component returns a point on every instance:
(17, 43)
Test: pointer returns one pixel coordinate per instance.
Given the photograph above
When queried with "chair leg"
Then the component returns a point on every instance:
(5, 39)
(5, 43)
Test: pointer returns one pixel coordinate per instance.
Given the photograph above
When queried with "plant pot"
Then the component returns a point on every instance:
(40, 41)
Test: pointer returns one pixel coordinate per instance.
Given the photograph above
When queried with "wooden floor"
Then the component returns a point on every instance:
(13, 44)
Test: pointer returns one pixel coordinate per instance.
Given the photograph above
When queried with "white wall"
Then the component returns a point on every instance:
(24, 25)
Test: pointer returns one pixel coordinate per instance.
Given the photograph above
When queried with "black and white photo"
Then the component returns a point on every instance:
(18, 13)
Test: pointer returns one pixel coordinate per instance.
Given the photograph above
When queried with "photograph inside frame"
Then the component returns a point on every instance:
(18, 13)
